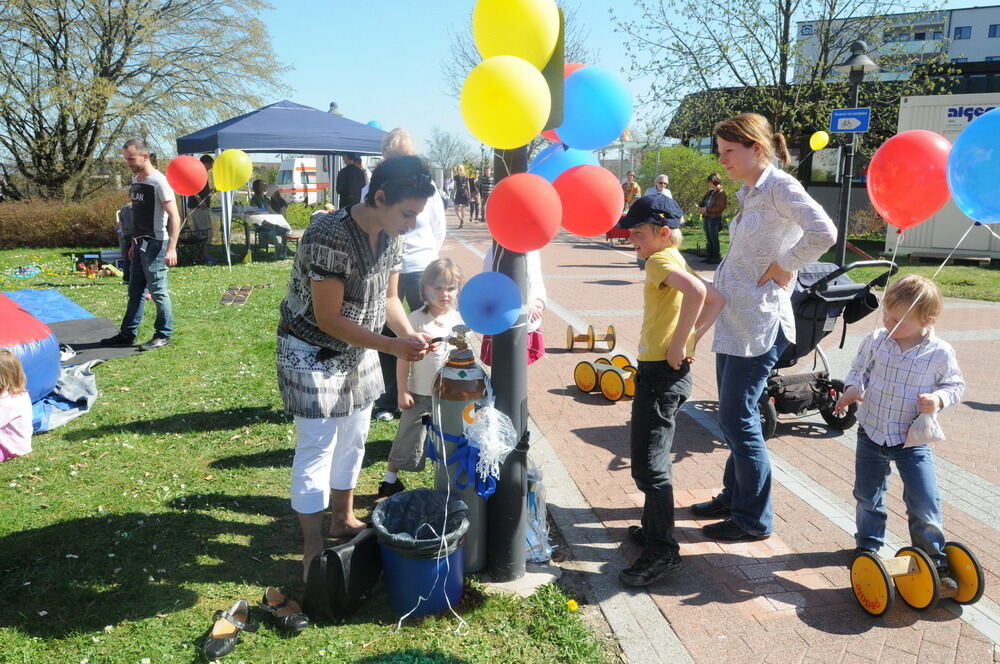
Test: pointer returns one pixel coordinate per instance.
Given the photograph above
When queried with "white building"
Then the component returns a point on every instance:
(898, 42)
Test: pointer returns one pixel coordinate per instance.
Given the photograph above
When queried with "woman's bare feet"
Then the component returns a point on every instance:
(307, 557)
(348, 528)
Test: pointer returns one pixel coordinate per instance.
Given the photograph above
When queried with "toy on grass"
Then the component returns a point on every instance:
(614, 382)
(915, 578)
(590, 338)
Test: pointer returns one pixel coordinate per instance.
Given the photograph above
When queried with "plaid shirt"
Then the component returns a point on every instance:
(891, 380)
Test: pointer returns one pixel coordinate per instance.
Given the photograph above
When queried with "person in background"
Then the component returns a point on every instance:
(277, 202)
(474, 212)
(322, 212)
(486, 185)
(125, 231)
(900, 372)
(536, 297)
(157, 226)
(259, 199)
(660, 186)
(351, 179)
(440, 284)
(15, 407)
(631, 189)
(421, 247)
(711, 207)
(462, 195)
(779, 230)
(201, 214)
(343, 290)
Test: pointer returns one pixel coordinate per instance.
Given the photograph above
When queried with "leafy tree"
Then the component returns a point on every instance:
(446, 149)
(731, 56)
(688, 171)
(78, 77)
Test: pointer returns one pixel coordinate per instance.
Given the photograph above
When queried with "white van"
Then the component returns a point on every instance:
(300, 182)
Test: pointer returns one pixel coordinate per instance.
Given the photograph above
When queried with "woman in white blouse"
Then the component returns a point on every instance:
(778, 230)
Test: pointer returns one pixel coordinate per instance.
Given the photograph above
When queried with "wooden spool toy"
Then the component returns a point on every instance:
(572, 338)
(915, 578)
(615, 383)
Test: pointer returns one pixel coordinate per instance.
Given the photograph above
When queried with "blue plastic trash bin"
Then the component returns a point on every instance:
(422, 574)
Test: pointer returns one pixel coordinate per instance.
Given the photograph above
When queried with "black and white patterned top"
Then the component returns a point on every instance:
(334, 247)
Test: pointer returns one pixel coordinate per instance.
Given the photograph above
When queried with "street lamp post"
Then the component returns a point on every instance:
(855, 67)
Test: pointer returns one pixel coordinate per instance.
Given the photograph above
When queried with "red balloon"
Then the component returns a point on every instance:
(907, 177)
(592, 199)
(187, 175)
(523, 212)
(568, 68)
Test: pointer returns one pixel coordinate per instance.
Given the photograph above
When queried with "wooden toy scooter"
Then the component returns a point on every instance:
(572, 338)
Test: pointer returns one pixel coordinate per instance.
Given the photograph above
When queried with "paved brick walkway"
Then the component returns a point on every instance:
(785, 599)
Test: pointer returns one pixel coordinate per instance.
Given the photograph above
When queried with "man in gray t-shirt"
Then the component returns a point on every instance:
(156, 226)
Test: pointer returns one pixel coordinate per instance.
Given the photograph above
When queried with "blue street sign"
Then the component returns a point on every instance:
(850, 120)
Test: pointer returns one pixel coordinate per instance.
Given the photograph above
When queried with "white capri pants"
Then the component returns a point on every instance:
(328, 455)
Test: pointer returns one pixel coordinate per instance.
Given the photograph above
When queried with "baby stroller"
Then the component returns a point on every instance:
(823, 293)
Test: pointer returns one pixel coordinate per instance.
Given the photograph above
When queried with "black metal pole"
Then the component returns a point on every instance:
(844, 206)
(507, 509)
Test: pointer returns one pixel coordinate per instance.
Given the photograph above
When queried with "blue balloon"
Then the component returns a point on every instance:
(974, 168)
(551, 162)
(375, 124)
(490, 303)
(597, 107)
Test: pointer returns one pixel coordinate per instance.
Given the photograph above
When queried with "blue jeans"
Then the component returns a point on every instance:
(148, 272)
(920, 494)
(746, 480)
(660, 391)
(712, 229)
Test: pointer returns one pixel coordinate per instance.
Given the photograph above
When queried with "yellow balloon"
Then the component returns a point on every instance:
(505, 102)
(526, 29)
(232, 169)
(819, 140)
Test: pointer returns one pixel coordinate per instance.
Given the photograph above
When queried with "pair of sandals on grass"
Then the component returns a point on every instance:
(239, 294)
(281, 611)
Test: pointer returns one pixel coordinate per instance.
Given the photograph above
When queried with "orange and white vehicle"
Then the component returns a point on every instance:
(300, 181)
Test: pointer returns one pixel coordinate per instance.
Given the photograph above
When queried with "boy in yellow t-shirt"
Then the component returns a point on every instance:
(678, 308)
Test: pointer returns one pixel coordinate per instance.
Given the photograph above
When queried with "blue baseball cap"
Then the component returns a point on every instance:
(653, 209)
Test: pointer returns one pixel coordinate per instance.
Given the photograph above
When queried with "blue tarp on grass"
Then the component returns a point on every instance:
(48, 305)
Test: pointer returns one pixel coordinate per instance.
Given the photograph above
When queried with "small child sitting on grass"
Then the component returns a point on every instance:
(439, 287)
(15, 408)
(678, 308)
(901, 371)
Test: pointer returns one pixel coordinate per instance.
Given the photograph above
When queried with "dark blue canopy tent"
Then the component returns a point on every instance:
(282, 127)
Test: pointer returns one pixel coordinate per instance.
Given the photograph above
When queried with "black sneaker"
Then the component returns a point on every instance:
(712, 507)
(157, 341)
(728, 531)
(120, 339)
(386, 489)
(648, 567)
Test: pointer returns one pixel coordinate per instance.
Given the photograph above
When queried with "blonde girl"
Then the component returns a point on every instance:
(15, 408)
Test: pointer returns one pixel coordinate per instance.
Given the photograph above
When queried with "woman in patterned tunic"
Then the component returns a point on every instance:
(778, 230)
(343, 289)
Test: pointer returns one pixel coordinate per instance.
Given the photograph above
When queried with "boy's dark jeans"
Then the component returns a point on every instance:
(660, 391)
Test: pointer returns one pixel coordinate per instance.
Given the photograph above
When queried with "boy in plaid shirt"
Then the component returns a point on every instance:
(900, 372)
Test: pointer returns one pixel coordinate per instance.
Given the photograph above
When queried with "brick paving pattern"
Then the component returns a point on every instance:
(785, 599)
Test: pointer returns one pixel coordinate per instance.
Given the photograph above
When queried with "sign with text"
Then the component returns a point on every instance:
(850, 120)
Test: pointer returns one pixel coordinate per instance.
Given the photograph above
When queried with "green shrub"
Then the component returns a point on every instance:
(298, 214)
(37, 223)
(688, 171)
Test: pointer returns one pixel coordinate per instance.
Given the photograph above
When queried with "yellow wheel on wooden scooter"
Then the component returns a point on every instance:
(966, 571)
(630, 381)
(612, 385)
(585, 376)
(590, 337)
(609, 338)
(621, 360)
(872, 584)
(921, 590)
(602, 360)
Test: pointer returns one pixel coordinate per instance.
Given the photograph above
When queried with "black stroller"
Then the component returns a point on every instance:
(823, 293)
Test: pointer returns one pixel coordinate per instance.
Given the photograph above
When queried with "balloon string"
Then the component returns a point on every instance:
(945, 262)
(991, 231)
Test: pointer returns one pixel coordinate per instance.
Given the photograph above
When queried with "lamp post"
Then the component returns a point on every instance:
(855, 67)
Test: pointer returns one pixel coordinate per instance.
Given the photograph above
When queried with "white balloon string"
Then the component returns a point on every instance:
(952, 252)
(991, 231)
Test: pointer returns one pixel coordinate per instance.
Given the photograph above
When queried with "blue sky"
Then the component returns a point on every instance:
(381, 59)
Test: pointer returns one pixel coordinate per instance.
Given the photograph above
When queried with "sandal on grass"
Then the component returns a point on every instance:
(225, 632)
(283, 612)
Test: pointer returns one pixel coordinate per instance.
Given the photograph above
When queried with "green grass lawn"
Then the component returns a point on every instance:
(125, 530)
(964, 281)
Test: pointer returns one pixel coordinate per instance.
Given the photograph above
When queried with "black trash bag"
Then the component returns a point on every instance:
(410, 523)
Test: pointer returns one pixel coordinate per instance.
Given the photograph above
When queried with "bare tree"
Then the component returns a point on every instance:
(77, 76)
(464, 54)
(742, 55)
(445, 149)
